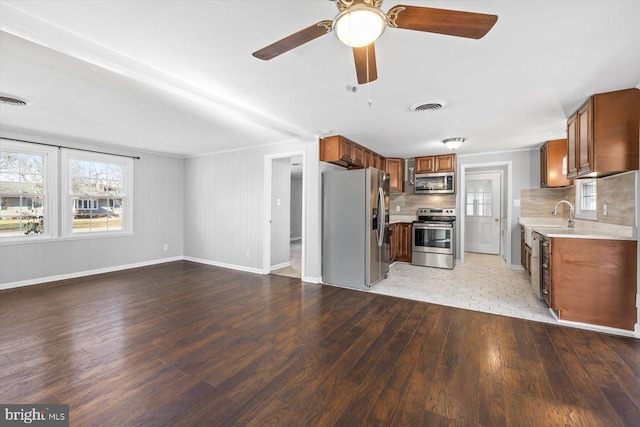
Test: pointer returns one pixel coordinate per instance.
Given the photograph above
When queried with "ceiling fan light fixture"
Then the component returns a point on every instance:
(360, 25)
(453, 143)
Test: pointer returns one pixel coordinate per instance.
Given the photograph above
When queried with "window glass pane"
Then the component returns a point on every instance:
(21, 193)
(21, 216)
(9, 182)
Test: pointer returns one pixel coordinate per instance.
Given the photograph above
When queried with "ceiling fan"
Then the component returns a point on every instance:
(360, 22)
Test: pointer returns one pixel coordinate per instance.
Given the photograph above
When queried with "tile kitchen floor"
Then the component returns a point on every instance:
(482, 283)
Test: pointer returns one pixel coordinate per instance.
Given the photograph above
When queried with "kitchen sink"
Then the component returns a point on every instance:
(529, 229)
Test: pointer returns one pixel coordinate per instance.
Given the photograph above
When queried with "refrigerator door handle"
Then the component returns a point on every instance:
(381, 216)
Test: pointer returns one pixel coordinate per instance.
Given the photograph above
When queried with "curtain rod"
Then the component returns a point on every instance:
(71, 148)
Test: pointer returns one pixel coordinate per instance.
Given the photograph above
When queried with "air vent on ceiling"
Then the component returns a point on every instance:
(12, 100)
(428, 106)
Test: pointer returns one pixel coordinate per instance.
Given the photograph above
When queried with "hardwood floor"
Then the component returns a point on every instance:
(189, 344)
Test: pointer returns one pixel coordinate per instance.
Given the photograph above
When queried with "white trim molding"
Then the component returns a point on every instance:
(85, 273)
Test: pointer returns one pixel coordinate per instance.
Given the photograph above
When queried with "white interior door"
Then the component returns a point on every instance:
(483, 212)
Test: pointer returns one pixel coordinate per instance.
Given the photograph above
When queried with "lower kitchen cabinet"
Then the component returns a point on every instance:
(525, 254)
(591, 280)
(400, 242)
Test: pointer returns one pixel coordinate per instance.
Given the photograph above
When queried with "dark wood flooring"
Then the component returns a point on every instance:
(189, 344)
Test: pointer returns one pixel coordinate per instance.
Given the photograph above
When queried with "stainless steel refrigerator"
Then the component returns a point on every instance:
(355, 227)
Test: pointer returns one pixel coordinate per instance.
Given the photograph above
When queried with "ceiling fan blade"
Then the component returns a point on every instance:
(365, 58)
(294, 40)
(441, 21)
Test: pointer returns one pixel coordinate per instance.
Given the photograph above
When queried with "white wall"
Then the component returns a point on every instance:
(280, 211)
(523, 177)
(296, 207)
(158, 218)
(225, 207)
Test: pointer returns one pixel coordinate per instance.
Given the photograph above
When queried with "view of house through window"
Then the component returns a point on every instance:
(22, 193)
(97, 191)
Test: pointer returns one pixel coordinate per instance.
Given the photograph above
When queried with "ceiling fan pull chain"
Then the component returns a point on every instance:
(368, 81)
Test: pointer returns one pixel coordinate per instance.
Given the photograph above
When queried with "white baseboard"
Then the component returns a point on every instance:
(516, 267)
(77, 274)
(309, 279)
(282, 265)
(636, 330)
(224, 265)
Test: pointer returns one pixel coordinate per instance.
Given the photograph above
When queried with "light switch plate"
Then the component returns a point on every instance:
(516, 202)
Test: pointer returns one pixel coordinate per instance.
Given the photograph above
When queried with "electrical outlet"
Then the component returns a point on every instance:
(605, 210)
(248, 254)
(166, 247)
(397, 208)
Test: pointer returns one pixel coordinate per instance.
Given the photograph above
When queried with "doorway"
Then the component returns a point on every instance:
(505, 210)
(483, 212)
(284, 197)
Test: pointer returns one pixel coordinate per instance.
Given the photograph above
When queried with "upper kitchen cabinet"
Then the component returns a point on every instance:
(553, 164)
(395, 169)
(429, 164)
(603, 135)
(341, 151)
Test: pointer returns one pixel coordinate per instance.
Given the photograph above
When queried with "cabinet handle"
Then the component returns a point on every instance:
(545, 266)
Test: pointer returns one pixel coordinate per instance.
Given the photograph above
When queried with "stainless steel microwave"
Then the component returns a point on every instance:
(435, 183)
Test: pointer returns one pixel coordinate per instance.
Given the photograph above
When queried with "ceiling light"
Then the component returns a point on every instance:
(360, 25)
(12, 100)
(453, 143)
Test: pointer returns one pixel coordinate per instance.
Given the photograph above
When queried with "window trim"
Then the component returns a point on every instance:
(67, 198)
(580, 213)
(50, 161)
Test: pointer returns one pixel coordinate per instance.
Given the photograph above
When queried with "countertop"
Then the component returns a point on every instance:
(557, 227)
(401, 218)
(577, 234)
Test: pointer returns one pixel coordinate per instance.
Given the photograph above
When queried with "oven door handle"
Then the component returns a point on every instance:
(425, 226)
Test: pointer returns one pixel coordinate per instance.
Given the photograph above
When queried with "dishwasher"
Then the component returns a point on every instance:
(535, 264)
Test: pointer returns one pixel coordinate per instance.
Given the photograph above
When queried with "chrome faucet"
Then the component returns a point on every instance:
(571, 212)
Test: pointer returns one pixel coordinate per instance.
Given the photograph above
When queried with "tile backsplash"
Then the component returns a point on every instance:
(409, 203)
(618, 192)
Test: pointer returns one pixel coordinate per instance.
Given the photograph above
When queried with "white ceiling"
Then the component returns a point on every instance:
(178, 76)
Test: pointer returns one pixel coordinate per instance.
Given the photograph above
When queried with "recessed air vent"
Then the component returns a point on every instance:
(428, 106)
(12, 100)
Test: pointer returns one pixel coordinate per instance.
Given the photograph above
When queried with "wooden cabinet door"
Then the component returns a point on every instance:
(425, 164)
(366, 162)
(553, 164)
(395, 169)
(572, 146)
(404, 231)
(543, 166)
(357, 155)
(445, 163)
(585, 139)
(393, 242)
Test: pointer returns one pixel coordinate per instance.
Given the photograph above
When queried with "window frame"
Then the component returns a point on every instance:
(581, 213)
(50, 161)
(67, 197)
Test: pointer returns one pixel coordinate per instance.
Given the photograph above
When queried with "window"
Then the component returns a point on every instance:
(27, 191)
(479, 197)
(86, 204)
(586, 199)
(97, 193)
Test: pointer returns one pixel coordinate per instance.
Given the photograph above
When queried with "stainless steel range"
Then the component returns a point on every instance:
(433, 241)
